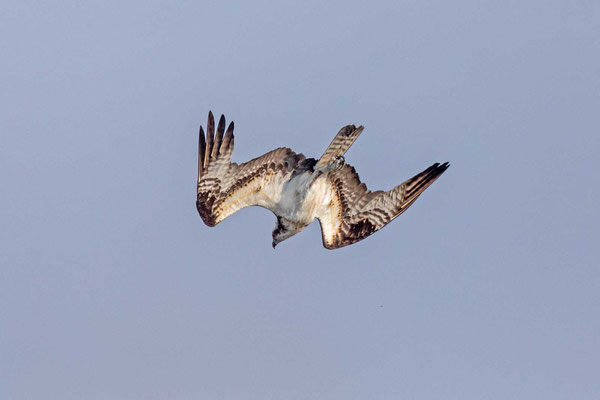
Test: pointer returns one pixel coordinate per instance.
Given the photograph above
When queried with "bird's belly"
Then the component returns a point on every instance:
(303, 198)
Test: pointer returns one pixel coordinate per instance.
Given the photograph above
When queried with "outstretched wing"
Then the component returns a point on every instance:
(354, 212)
(225, 187)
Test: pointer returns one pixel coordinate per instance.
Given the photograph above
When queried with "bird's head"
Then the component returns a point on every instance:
(284, 229)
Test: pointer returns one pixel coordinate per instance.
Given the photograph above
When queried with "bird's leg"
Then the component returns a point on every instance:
(338, 163)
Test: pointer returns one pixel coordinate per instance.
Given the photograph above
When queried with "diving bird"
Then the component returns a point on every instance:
(299, 189)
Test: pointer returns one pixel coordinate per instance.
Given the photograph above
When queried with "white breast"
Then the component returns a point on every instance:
(302, 197)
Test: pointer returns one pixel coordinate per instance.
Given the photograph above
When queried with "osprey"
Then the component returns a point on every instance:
(299, 189)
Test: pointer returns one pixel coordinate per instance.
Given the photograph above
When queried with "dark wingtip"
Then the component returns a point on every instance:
(438, 169)
(444, 166)
(230, 129)
(201, 141)
(210, 125)
(201, 150)
(273, 244)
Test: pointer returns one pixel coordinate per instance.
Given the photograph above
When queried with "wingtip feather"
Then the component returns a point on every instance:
(218, 137)
(201, 151)
(210, 133)
(228, 138)
(418, 183)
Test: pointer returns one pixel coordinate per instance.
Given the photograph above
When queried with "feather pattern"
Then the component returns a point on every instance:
(225, 187)
(354, 212)
(299, 189)
(339, 145)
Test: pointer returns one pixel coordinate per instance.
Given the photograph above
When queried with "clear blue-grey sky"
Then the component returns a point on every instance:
(111, 287)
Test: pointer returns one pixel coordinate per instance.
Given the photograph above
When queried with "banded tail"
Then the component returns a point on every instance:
(339, 145)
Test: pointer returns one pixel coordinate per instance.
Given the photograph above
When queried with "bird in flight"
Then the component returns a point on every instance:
(299, 189)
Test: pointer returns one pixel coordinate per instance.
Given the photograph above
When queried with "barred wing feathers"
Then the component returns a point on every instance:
(225, 187)
(354, 212)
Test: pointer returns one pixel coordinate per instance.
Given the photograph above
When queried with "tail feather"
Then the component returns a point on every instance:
(339, 145)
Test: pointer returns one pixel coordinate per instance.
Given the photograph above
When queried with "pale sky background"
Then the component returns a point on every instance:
(111, 287)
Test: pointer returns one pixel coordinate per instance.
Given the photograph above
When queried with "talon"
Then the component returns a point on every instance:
(339, 162)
